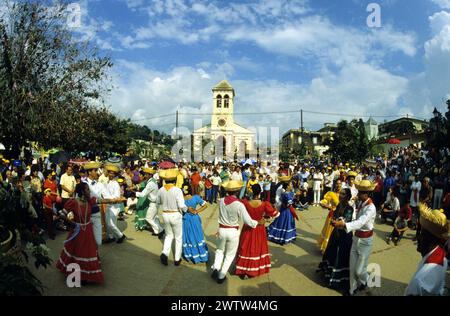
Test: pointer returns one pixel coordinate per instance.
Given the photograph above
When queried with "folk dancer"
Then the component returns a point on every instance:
(111, 192)
(171, 200)
(96, 189)
(363, 237)
(430, 276)
(231, 210)
(151, 193)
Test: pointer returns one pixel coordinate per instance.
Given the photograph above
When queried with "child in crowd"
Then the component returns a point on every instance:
(302, 197)
(267, 188)
(400, 226)
(131, 204)
(48, 212)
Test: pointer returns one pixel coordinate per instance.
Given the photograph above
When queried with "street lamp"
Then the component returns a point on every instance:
(436, 113)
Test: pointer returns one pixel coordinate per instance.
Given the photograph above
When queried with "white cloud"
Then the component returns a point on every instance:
(432, 87)
(358, 89)
(444, 4)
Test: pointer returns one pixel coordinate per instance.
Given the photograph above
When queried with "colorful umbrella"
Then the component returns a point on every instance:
(394, 141)
(166, 165)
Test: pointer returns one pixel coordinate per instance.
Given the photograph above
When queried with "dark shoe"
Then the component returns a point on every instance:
(215, 274)
(242, 277)
(177, 263)
(109, 240)
(347, 293)
(220, 281)
(163, 258)
(122, 239)
(388, 241)
(362, 287)
(395, 242)
(161, 234)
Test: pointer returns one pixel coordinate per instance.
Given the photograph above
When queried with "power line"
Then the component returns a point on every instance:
(275, 113)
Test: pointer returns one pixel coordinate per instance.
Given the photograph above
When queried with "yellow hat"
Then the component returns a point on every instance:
(53, 173)
(47, 190)
(169, 174)
(330, 199)
(434, 221)
(352, 174)
(347, 164)
(92, 165)
(149, 170)
(232, 185)
(284, 178)
(365, 186)
(120, 180)
(112, 168)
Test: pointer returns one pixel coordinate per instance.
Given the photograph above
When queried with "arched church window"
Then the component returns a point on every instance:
(219, 101)
(226, 101)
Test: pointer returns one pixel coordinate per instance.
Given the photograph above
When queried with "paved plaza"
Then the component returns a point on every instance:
(133, 268)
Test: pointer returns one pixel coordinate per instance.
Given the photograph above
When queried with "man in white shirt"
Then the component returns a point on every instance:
(171, 201)
(430, 276)
(363, 237)
(112, 192)
(151, 193)
(96, 189)
(68, 184)
(231, 210)
(236, 175)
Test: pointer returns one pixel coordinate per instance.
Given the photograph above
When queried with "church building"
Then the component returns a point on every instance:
(228, 137)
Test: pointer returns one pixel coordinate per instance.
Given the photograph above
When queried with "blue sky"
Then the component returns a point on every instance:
(319, 55)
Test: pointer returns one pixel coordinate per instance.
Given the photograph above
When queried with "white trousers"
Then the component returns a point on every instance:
(173, 225)
(317, 196)
(226, 250)
(437, 198)
(359, 258)
(111, 222)
(152, 218)
(97, 226)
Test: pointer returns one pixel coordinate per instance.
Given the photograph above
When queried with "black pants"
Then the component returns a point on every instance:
(396, 234)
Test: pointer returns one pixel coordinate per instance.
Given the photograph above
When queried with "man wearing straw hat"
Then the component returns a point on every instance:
(151, 192)
(363, 237)
(112, 192)
(96, 190)
(171, 200)
(430, 276)
(231, 210)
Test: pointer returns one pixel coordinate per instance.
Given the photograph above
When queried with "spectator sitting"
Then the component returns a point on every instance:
(400, 226)
(390, 208)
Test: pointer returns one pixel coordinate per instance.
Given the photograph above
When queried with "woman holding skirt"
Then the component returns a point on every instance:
(283, 231)
(194, 244)
(253, 257)
(336, 259)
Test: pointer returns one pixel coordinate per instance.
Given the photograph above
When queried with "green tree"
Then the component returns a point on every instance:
(350, 141)
(49, 80)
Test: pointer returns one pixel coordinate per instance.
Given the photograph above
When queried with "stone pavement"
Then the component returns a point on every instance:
(133, 268)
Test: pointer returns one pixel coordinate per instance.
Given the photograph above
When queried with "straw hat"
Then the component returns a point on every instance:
(92, 165)
(284, 178)
(112, 168)
(232, 185)
(169, 174)
(365, 186)
(352, 174)
(434, 221)
(149, 170)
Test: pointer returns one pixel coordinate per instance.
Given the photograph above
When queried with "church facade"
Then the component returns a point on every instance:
(228, 138)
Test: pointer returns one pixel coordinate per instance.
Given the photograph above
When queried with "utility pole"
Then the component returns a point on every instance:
(176, 128)
(301, 125)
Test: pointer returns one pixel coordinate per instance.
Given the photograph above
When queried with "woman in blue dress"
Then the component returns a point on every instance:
(282, 231)
(194, 244)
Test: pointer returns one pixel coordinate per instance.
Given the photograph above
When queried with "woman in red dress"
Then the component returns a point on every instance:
(80, 246)
(253, 257)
